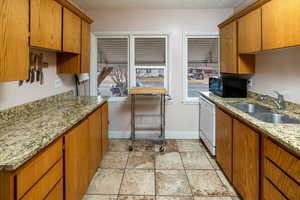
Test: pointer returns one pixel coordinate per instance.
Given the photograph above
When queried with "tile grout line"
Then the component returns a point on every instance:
(185, 173)
(124, 171)
(216, 171)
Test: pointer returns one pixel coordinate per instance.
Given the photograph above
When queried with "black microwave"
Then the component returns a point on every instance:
(231, 87)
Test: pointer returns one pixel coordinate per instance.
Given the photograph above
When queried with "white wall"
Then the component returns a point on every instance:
(243, 5)
(278, 70)
(11, 94)
(181, 119)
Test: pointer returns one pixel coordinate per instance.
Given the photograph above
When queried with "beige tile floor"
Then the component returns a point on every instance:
(186, 171)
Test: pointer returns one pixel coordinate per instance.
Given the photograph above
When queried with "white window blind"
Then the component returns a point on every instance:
(113, 50)
(150, 51)
(202, 50)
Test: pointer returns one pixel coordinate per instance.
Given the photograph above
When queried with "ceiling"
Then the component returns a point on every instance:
(157, 4)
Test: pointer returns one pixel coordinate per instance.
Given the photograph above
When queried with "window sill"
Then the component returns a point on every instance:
(192, 101)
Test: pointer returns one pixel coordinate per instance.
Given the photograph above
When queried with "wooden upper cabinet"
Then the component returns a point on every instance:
(46, 24)
(71, 32)
(280, 24)
(228, 48)
(231, 62)
(77, 63)
(249, 32)
(224, 142)
(245, 161)
(85, 46)
(14, 32)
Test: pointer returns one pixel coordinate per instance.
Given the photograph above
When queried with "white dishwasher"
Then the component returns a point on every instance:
(207, 124)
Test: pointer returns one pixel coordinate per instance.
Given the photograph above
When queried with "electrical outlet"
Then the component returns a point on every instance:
(250, 83)
(57, 83)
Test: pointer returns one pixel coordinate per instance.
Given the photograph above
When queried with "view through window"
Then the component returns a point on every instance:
(202, 62)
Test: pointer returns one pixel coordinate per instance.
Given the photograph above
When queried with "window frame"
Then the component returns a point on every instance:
(185, 98)
(131, 57)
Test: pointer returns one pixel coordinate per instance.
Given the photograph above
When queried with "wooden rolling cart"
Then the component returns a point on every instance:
(149, 91)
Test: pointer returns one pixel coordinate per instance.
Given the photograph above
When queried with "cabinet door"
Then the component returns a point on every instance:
(245, 161)
(14, 51)
(228, 36)
(57, 192)
(85, 47)
(77, 161)
(45, 24)
(95, 141)
(104, 128)
(71, 32)
(249, 32)
(281, 24)
(224, 142)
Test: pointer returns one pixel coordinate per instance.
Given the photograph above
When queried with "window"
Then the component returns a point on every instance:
(112, 66)
(131, 60)
(201, 61)
(150, 61)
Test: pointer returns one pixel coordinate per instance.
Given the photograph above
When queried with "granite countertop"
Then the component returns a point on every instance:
(25, 130)
(286, 134)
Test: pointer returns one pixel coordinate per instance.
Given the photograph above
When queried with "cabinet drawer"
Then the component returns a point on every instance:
(37, 167)
(57, 192)
(270, 192)
(44, 186)
(284, 183)
(286, 161)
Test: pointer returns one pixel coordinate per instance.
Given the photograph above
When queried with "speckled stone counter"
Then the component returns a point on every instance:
(286, 134)
(27, 129)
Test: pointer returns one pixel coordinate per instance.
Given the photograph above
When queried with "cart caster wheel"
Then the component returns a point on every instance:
(161, 149)
(130, 148)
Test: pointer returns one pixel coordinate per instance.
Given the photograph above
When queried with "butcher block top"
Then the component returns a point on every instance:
(148, 90)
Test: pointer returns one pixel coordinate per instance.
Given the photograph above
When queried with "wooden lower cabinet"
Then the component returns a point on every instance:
(271, 192)
(65, 168)
(77, 161)
(245, 161)
(104, 127)
(47, 182)
(84, 147)
(35, 169)
(260, 168)
(36, 178)
(57, 192)
(224, 142)
(281, 172)
(95, 153)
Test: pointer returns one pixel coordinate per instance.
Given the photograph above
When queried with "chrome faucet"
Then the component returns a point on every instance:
(279, 102)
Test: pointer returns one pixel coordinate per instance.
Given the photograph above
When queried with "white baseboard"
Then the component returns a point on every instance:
(169, 134)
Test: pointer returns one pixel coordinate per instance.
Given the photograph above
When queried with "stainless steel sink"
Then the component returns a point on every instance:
(265, 114)
(251, 108)
(276, 118)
